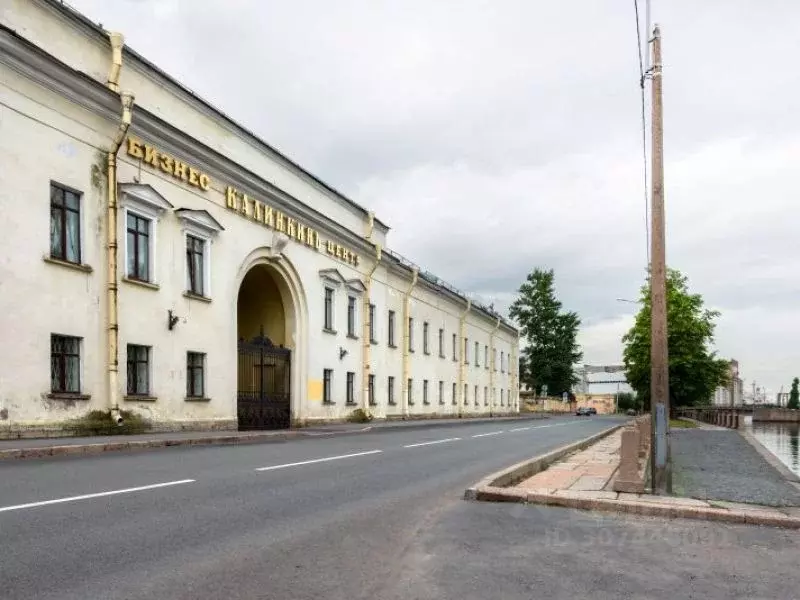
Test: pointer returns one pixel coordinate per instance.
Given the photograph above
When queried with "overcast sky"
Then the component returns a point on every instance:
(495, 136)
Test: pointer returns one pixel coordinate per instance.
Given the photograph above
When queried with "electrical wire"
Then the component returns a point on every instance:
(644, 133)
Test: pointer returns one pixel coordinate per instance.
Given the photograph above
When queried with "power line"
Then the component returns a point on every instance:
(644, 133)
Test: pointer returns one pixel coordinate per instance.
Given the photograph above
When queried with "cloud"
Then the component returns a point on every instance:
(497, 137)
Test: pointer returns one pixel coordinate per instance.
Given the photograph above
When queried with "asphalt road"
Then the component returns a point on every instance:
(380, 517)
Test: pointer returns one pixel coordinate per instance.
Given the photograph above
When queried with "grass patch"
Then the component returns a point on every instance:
(681, 424)
(359, 416)
(98, 422)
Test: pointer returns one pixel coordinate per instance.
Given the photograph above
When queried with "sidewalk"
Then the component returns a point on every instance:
(719, 475)
(71, 446)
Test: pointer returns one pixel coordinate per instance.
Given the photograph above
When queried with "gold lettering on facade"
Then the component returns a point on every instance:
(194, 178)
(301, 233)
(205, 182)
(166, 163)
(269, 216)
(280, 222)
(230, 197)
(258, 214)
(338, 251)
(330, 247)
(151, 155)
(179, 170)
(291, 230)
(135, 148)
(245, 205)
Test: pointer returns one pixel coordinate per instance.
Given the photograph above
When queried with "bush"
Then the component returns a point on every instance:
(98, 422)
(359, 416)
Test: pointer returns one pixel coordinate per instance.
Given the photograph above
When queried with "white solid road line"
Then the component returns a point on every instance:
(520, 429)
(433, 442)
(318, 460)
(98, 495)
(477, 435)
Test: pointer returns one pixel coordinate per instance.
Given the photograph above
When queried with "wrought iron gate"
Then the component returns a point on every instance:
(263, 398)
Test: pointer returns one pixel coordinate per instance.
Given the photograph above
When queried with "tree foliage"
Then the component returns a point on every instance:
(794, 395)
(694, 369)
(628, 400)
(550, 333)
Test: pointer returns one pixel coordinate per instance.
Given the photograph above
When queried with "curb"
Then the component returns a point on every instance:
(501, 480)
(226, 440)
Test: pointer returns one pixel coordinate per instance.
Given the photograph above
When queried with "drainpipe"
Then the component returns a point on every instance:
(406, 339)
(462, 367)
(515, 374)
(491, 368)
(111, 233)
(365, 336)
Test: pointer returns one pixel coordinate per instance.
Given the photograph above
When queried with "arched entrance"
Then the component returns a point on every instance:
(265, 338)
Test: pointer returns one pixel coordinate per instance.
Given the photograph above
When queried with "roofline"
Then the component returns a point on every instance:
(73, 13)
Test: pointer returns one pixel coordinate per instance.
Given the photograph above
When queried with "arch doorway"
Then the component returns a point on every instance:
(264, 332)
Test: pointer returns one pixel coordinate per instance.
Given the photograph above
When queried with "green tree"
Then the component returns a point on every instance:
(628, 400)
(550, 333)
(794, 395)
(694, 369)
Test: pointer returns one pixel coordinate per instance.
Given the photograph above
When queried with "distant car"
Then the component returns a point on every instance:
(630, 412)
(592, 410)
(583, 412)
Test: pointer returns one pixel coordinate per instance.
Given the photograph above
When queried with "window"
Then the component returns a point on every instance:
(351, 316)
(391, 329)
(455, 347)
(508, 397)
(441, 343)
(410, 334)
(328, 323)
(502, 362)
(425, 399)
(371, 390)
(138, 370)
(195, 375)
(502, 398)
(65, 228)
(65, 364)
(465, 400)
(327, 382)
(477, 354)
(466, 351)
(486, 357)
(425, 347)
(390, 390)
(485, 396)
(441, 393)
(372, 324)
(351, 385)
(137, 247)
(195, 265)
(494, 360)
(475, 397)
(410, 391)
(494, 396)
(455, 401)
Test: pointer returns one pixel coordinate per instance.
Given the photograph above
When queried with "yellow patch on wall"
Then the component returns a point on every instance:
(315, 389)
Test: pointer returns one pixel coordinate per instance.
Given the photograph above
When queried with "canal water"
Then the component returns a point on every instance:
(782, 439)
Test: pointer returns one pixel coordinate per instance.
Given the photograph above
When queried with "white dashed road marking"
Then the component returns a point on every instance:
(431, 443)
(318, 460)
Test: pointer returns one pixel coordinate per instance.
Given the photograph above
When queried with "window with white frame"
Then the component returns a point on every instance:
(65, 223)
(328, 314)
(138, 358)
(425, 399)
(199, 229)
(351, 316)
(371, 389)
(142, 207)
(502, 362)
(351, 388)
(441, 343)
(425, 347)
(477, 354)
(65, 364)
(441, 392)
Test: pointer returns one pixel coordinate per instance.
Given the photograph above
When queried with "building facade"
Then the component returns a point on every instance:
(733, 393)
(160, 258)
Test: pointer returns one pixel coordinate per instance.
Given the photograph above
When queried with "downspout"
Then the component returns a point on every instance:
(111, 233)
(366, 337)
(407, 339)
(491, 368)
(514, 366)
(462, 367)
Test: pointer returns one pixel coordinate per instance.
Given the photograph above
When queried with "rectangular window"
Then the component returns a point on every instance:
(138, 247)
(486, 357)
(475, 398)
(465, 400)
(65, 224)
(441, 393)
(477, 354)
(466, 351)
(502, 398)
(351, 388)
(390, 390)
(455, 347)
(502, 362)
(425, 347)
(391, 329)
(485, 396)
(65, 364)
(494, 360)
(195, 265)
(327, 383)
(508, 396)
(410, 334)
(195, 375)
(372, 324)
(351, 316)
(138, 370)
(371, 389)
(410, 391)
(328, 314)
(454, 399)
(425, 399)
(441, 343)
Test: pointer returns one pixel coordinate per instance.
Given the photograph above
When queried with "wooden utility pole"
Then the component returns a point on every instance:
(659, 356)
